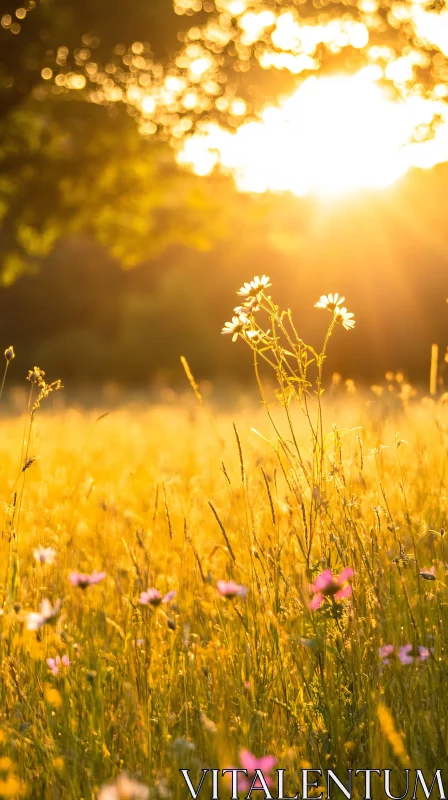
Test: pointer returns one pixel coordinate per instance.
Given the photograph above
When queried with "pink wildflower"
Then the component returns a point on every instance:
(55, 663)
(231, 589)
(124, 788)
(406, 654)
(385, 653)
(82, 579)
(429, 574)
(326, 585)
(250, 763)
(152, 597)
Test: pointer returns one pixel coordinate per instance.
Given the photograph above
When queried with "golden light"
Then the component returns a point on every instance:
(334, 135)
(148, 105)
(200, 65)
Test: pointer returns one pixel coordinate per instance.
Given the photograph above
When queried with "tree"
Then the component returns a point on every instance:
(95, 98)
(73, 167)
(68, 164)
(57, 33)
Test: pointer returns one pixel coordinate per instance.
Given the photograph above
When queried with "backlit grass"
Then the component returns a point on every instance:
(179, 498)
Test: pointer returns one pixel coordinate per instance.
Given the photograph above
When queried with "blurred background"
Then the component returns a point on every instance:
(116, 258)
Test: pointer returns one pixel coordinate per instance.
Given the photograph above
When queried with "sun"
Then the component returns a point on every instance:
(333, 136)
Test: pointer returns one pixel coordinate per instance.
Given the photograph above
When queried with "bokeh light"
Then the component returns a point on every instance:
(360, 124)
(333, 135)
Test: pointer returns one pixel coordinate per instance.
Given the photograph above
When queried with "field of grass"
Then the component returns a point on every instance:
(179, 498)
(190, 682)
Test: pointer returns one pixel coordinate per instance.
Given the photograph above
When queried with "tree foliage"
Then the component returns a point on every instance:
(93, 96)
(71, 167)
(68, 165)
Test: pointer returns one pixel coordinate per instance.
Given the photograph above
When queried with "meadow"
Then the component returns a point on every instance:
(182, 584)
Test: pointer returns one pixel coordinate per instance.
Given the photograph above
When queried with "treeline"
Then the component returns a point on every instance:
(83, 318)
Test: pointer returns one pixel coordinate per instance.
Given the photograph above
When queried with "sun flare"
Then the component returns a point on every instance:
(333, 136)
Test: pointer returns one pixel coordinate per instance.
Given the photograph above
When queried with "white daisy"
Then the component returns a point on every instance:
(255, 335)
(36, 620)
(330, 301)
(44, 555)
(344, 317)
(255, 288)
(249, 307)
(236, 327)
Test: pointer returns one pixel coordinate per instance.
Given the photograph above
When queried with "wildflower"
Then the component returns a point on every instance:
(250, 763)
(236, 327)
(385, 653)
(256, 335)
(255, 288)
(231, 589)
(35, 375)
(44, 555)
(55, 663)
(428, 574)
(124, 788)
(344, 317)
(152, 597)
(326, 585)
(330, 301)
(83, 580)
(249, 306)
(333, 303)
(9, 353)
(406, 654)
(36, 620)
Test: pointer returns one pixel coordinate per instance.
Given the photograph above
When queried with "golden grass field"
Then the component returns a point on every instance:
(180, 497)
(150, 690)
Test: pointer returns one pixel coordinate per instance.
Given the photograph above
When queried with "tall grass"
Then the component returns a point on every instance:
(167, 498)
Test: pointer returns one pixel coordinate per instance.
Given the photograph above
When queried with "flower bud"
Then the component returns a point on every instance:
(9, 353)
